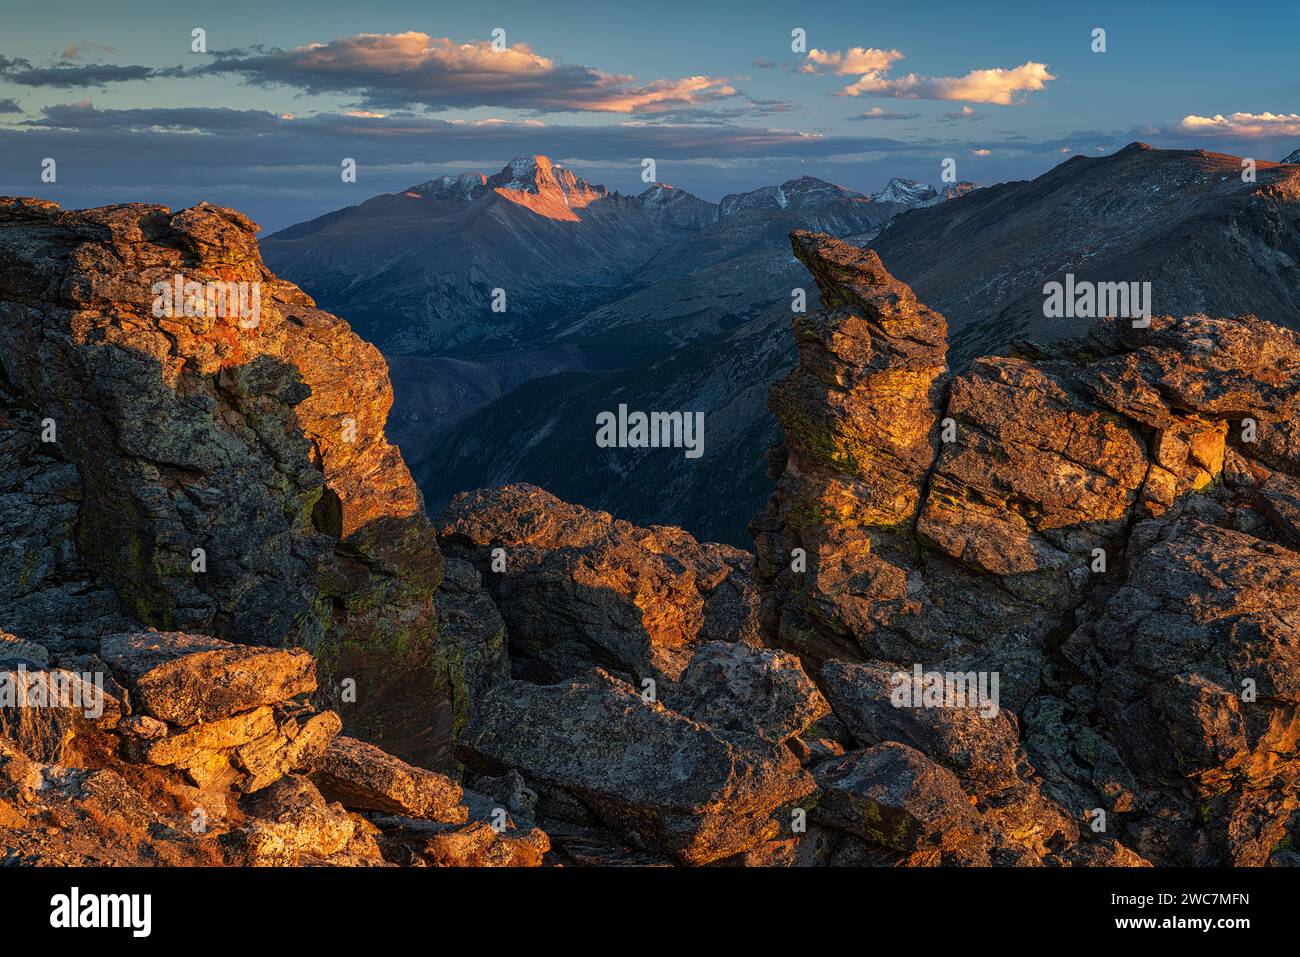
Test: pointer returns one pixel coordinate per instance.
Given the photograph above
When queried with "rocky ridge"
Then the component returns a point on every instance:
(1079, 518)
(1108, 525)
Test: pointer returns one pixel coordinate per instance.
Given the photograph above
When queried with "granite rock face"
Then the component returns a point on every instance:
(1105, 524)
(1043, 612)
(578, 587)
(219, 469)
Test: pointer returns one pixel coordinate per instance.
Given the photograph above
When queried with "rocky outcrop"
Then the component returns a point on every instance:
(1105, 525)
(579, 588)
(171, 748)
(212, 462)
(1039, 613)
(663, 781)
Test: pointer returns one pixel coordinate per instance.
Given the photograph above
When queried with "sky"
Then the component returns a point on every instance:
(721, 95)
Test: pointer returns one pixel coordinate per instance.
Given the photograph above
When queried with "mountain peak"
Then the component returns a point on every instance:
(1293, 158)
(909, 192)
(669, 206)
(552, 185)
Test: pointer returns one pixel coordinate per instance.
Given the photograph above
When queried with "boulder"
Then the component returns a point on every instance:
(188, 679)
(360, 776)
(667, 782)
(892, 795)
(635, 600)
(739, 690)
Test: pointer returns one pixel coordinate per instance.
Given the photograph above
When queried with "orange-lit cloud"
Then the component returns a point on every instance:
(390, 70)
(978, 86)
(854, 61)
(997, 85)
(1243, 124)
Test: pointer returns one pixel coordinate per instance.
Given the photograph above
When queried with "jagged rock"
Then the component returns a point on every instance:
(984, 750)
(190, 679)
(1107, 852)
(227, 790)
(15, 651)
(667, 782)
(735, 689)
(361, 776)
(223, 734)
(54, 714)
(1106, 523)
(490, 838)
(1205, 614)
(309, 825)
(1034, 478)
(637, 600)
(471, 639)
(292, 746)
(892, 795)
(478, 845)
(255, 436)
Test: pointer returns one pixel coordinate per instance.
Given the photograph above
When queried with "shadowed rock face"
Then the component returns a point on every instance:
(579, 587)
(1108, 523)
(255, 437)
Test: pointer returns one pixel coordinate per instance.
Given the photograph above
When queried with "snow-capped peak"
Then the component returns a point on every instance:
(906, 192)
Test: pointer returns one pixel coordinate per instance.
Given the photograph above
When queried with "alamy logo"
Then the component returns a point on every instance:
(1093, 300)
(53, 689)
(208, 301)
(74, 909)
(655, 430)
(946, 689)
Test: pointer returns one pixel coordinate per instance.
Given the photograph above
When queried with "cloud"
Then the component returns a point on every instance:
(74, 50)
(286, 171)
(1243, 124)
(23, 73)
(998, 85)
(764, 64)
(965, 113)
(406, 69)
(213, 137)
(10, 106)
(855, 61)
(876, 113)
(981, 152)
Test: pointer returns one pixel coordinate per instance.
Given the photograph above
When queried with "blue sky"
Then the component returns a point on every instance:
(712, 91)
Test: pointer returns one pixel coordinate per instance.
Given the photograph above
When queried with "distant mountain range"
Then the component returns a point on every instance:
(416, 271)
(1184, 220)
(701, 321)
(593, 281)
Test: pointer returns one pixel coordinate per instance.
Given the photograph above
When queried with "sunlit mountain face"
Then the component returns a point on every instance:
(913, 482)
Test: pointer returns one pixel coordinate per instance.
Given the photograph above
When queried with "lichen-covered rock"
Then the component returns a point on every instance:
(226, 465)
(636, 600)
(188, 679)
(231, 789)
(1196, 659)
(736, 689)
(1107, 524)
(666, 781)
(360, 775)
(894, 796)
